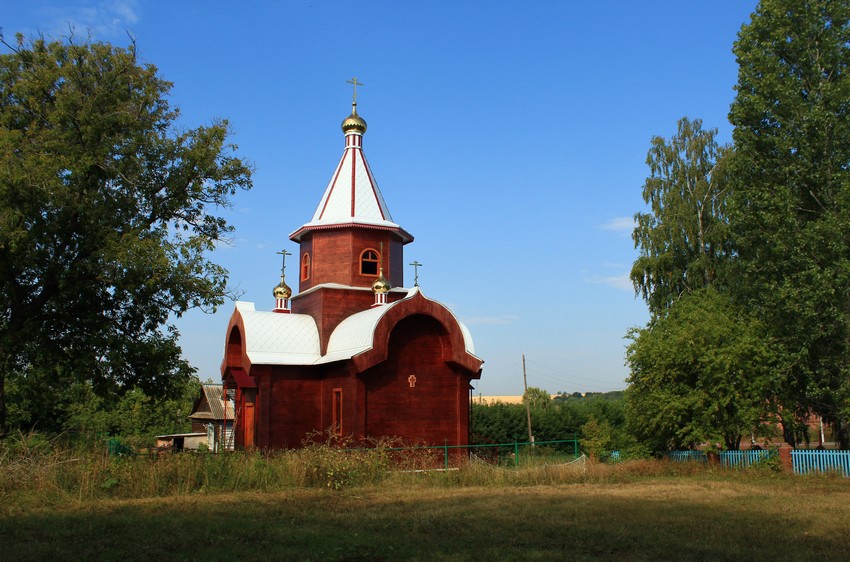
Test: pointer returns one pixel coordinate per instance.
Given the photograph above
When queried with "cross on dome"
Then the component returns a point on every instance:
(283, 253)
(354, 83)
(416, 265)
(352, 197)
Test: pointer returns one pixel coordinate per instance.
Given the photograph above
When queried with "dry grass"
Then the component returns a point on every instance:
(700, 516)
(323, 504)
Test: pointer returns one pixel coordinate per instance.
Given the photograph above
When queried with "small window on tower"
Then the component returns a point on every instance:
(369, 262)
(305, 267)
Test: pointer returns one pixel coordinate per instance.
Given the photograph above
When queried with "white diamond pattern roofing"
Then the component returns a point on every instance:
(360, 202)
(293, 339)
(272, 338)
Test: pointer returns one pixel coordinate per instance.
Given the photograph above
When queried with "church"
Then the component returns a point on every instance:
(353, 352)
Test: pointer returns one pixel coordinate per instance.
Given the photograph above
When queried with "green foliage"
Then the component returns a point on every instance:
(537, 397)
(702, 373)
(597, 439)
(131, 413)
(498, 423)
(791, 199)
(566, 417)
(336, 463)
(106, 217)
(683, 240)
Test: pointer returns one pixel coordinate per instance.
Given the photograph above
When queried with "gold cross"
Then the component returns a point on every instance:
(412, 380)
(354, 83)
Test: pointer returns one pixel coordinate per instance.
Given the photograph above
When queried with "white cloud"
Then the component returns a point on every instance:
(619, 224)
(103, 20)
(621, 282)
(491, 320)
(125, 9)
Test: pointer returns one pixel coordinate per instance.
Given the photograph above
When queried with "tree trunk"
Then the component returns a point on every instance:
(733, 441)
(788, 432)
(4, 428)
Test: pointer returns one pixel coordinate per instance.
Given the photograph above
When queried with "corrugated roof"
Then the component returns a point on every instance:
(214, 394)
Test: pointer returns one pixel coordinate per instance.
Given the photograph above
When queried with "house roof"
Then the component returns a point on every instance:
(217, 406)
(293, 339)
(352, 197)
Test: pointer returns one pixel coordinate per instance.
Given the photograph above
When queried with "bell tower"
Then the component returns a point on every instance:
(351, 242)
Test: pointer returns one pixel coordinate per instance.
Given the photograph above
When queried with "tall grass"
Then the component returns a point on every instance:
(37, 471)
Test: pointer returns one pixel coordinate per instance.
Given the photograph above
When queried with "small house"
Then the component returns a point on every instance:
(212, 414)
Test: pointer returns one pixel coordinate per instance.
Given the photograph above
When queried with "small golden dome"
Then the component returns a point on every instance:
(354, 122)
(381, 285)
(282, 290)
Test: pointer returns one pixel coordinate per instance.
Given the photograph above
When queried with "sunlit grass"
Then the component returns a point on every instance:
(699, 516)
(321, 503)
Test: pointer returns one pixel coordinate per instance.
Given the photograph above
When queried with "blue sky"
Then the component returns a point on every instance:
(509, 138)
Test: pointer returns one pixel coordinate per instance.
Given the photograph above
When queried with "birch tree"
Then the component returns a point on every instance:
(683, 238)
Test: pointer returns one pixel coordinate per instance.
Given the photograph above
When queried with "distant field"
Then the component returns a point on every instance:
(625, 515)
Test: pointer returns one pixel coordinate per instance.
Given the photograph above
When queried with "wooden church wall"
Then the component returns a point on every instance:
(294, 406)
(340, 398)
(329, 307)
(335, 256)
(431, 408)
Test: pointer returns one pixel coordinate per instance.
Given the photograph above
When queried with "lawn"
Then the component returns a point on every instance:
(612, 514)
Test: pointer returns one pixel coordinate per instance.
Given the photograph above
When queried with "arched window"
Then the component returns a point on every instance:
(369, 262)
(305, 266)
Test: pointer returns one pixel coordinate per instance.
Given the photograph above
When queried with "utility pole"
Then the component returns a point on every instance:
(526, 400)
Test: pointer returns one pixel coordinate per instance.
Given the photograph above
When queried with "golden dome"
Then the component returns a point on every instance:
(282, 290)
(381, 285)
(354, 122)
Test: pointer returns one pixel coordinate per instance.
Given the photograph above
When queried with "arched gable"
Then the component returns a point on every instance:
(234, 345)
(269, 338)
(418, 304)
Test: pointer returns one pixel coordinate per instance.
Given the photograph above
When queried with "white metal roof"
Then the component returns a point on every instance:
(272, 338)
(355, 334)
(352, 194)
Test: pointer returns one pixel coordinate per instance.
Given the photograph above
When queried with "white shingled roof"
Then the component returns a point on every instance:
(292, 339)
(355, 334)
(352, 195)
(272, 338)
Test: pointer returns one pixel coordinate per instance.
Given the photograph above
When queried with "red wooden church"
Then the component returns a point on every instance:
(352, 352)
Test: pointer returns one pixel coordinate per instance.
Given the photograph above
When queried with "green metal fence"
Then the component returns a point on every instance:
(509, 453)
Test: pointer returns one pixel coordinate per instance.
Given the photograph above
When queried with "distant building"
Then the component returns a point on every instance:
(212, 414)
(353, 352)
(181, 441)
(503, 399)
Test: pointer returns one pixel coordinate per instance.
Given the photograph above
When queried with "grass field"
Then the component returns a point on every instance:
(644, 510)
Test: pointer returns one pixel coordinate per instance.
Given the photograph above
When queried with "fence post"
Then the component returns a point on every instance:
(785, 457)
(516, 453)
(446, 454)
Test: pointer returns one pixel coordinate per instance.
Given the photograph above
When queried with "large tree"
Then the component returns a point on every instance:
(107, 214)
(701, 373)
(683, 239)
(791, 198)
